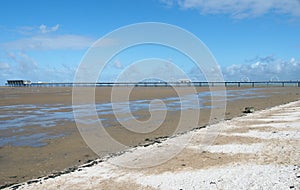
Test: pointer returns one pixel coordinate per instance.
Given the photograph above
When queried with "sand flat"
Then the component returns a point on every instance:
(19, 163)
(270, 163)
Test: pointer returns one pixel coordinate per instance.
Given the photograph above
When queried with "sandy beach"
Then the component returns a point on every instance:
(255, 151)
(61, 148)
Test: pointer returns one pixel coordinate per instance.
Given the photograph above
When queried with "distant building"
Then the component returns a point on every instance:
(18, 82)
(184, 81)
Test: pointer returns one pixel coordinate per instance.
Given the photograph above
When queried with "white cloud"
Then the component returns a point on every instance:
(24, 63)
(239, 9)
(45, 29)
(4, 66)
(31, 30)
(117, 64)
(55, 42)
(49, 43)
(264, 68)
(23, 66)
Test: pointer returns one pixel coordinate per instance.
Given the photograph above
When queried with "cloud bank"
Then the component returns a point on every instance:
(16, 61)
(240, 9)
(44, 37)
(267, 68)
(23, 66)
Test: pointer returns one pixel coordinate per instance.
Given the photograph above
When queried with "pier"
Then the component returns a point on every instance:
(20, 83)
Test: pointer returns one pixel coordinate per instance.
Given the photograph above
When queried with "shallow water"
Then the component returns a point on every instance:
(17, 122)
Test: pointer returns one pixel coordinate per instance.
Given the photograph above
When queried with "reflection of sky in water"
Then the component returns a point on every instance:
(16, 118)
(33, 140)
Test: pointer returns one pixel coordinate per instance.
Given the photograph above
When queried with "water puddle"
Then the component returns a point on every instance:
(18, 117)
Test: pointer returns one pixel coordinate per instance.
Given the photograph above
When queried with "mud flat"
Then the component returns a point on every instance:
(62, 148)
(256, 151)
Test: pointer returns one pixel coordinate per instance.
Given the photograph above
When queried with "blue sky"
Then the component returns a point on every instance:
(45, 40)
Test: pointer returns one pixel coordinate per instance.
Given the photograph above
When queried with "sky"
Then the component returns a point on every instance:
(251, 40)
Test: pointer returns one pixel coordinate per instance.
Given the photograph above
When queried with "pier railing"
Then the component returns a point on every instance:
(168, 84)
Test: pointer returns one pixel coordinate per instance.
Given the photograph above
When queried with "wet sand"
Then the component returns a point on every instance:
(21, 163)
(256, 151)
